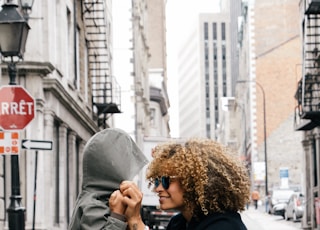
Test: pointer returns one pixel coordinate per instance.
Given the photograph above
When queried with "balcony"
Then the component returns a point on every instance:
(308, 98)
(307, 111)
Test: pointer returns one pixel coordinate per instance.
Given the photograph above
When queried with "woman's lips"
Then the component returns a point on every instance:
(163, 198)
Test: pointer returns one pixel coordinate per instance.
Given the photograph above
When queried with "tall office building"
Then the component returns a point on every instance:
(204, 75)
(235, 7)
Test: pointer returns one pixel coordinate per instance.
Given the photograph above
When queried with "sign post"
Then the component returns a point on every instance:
(17, 110)
(35, 145)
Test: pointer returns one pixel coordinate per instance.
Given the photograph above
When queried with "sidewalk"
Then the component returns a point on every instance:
(258, 220)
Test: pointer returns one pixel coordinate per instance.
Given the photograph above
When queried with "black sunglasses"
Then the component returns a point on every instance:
(164, 180)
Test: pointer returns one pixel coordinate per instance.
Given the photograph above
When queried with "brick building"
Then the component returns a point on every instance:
(266, 88)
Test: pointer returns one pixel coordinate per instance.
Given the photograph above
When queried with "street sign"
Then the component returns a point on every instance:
(9, 143)
(17, 107)
(36, 145)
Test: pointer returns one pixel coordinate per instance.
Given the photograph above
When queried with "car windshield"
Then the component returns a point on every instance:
(282, 194)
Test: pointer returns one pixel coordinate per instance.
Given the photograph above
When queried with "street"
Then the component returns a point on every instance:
(259, 220)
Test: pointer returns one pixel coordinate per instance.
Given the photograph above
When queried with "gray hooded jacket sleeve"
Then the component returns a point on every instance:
(109, 157)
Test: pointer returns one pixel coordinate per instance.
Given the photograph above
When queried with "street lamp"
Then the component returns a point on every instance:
(245, 127)
(14, 31)
(248, 163)
(264, 132)
(26, 6)
(13, 36)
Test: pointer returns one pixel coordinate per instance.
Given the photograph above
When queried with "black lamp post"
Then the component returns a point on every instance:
(264, 133)
(13, 36)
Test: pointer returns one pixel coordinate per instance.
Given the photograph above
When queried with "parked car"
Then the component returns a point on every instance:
(295, 207)
(279, 200)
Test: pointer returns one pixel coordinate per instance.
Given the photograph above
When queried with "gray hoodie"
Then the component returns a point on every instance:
(110, 157)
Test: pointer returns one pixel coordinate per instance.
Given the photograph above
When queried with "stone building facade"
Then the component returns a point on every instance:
(307, 113)
(65, 68)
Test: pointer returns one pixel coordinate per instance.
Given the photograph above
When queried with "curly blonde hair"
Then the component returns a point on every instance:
(213, 180)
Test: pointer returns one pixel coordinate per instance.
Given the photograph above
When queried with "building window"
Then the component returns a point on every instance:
(223, 31)
(77, 153)
(69, 44)
(57, 176)
(214, 31)
(206, 59)
(208, 131)
(315, 167)
(215, 69)
(86, 75)
(77, 61)
(68, 181)
(223, 59)
(152, 117)
(205, 31)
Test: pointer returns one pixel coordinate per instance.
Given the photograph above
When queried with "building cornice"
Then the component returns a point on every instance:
(57, 89)
(42, 68)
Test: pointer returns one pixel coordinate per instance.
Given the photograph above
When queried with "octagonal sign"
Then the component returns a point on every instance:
(17, 107)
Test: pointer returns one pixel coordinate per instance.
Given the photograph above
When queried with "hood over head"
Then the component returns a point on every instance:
(110, 157)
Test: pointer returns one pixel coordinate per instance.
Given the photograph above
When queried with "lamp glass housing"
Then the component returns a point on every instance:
(13, 31)
(26, 4)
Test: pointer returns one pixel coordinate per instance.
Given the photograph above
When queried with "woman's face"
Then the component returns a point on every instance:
(171, 198)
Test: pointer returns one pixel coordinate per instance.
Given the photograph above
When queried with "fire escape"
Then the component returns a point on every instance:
(308, 92)
(105, 90)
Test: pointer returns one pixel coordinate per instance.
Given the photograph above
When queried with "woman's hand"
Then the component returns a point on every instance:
(116, 203)
(132, 197)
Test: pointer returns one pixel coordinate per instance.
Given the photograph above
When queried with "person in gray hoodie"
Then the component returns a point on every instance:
(109, 158)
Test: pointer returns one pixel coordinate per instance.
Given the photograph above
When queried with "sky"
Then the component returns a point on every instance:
(180, 14)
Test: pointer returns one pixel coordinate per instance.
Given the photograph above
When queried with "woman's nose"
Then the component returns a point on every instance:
(159, 188)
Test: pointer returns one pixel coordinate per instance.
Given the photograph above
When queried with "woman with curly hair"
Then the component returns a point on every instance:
(203, 181)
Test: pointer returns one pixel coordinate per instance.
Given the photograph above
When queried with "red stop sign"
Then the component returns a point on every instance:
(17, 107)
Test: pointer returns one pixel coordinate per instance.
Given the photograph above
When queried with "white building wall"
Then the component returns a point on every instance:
(191, 71)
(190, 101)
